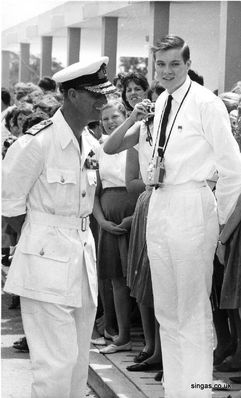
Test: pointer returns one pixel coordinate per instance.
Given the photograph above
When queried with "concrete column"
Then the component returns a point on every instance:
(73, 45)
(24, 68)
(229, 45)
(46, 56)
(109, 43)
(5, 69)
(159, 27)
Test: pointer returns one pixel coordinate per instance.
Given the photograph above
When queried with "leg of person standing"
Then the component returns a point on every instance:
(122, 301)
(181, 236)
(84, 318)
(58, 338)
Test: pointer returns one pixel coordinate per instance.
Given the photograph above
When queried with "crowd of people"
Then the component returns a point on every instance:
(158, 245)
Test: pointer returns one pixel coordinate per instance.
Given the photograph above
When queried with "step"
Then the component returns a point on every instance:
(109, 378)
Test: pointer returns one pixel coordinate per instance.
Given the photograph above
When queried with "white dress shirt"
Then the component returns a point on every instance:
(112, 168)
(201, 142)
(144, 151)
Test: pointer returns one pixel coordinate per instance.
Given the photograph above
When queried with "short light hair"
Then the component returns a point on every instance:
(113, 103)
(170, 42)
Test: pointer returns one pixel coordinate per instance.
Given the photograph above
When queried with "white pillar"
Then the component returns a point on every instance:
(73, 45)
(24, 68)
(109, 43)
(229, 45)
(5, 69)
(46, 56)
(159, 27)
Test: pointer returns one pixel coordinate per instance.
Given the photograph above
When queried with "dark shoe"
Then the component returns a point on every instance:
(15, 303)
(144, 366)
(227, 366)
(218, 358)
(6, 261)
(21, 345)
(235, 379)
(142, 356)
(159, 375)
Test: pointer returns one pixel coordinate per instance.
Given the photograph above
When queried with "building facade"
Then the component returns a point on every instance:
(85, 29)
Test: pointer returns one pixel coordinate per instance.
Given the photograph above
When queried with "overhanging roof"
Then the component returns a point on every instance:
(79, 14)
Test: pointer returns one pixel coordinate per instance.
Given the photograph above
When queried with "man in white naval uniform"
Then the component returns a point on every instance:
(48, 183)
(183, 217)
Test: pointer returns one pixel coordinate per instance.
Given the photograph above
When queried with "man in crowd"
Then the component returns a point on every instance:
(192, 138)
(49, 181)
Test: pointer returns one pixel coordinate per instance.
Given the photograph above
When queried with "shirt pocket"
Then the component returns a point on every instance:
(47, 264)
(64, 183)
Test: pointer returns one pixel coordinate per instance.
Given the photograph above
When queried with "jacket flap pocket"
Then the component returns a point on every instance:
(61, 176)
(48, 248)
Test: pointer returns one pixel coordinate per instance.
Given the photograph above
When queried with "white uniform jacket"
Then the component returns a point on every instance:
(45, 176)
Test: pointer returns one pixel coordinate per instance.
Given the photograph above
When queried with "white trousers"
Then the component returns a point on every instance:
(182, 233)
(59, 340)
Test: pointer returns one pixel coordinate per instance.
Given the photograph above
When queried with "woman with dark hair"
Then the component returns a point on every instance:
(135, 88)
(19, 119)
(47, 84)
(118, 81)
(9, 121)
(138, 269)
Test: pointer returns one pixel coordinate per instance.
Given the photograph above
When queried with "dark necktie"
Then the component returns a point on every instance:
(162, 138)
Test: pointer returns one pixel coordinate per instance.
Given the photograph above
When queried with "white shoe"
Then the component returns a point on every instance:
(98, 341)
(112, 348)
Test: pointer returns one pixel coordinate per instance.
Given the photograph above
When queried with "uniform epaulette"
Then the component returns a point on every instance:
(39, 127)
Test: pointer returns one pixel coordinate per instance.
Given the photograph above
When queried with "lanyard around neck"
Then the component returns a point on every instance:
(160, 122)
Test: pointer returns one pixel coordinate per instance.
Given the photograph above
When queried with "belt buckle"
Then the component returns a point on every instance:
(83, 224)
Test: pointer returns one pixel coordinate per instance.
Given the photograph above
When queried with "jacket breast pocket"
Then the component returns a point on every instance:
(47, 264)
(64, 183)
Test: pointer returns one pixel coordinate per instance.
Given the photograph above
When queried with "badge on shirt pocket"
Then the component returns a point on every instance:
(91, 162)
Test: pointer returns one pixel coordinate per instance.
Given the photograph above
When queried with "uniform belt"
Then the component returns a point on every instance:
(185, 186)
(55, 220)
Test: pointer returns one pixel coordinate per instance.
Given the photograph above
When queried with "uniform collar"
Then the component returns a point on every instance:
(65, 133)
(181, 91)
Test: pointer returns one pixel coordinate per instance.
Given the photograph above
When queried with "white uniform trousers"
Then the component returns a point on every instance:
(182, 233)
(59, 340)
